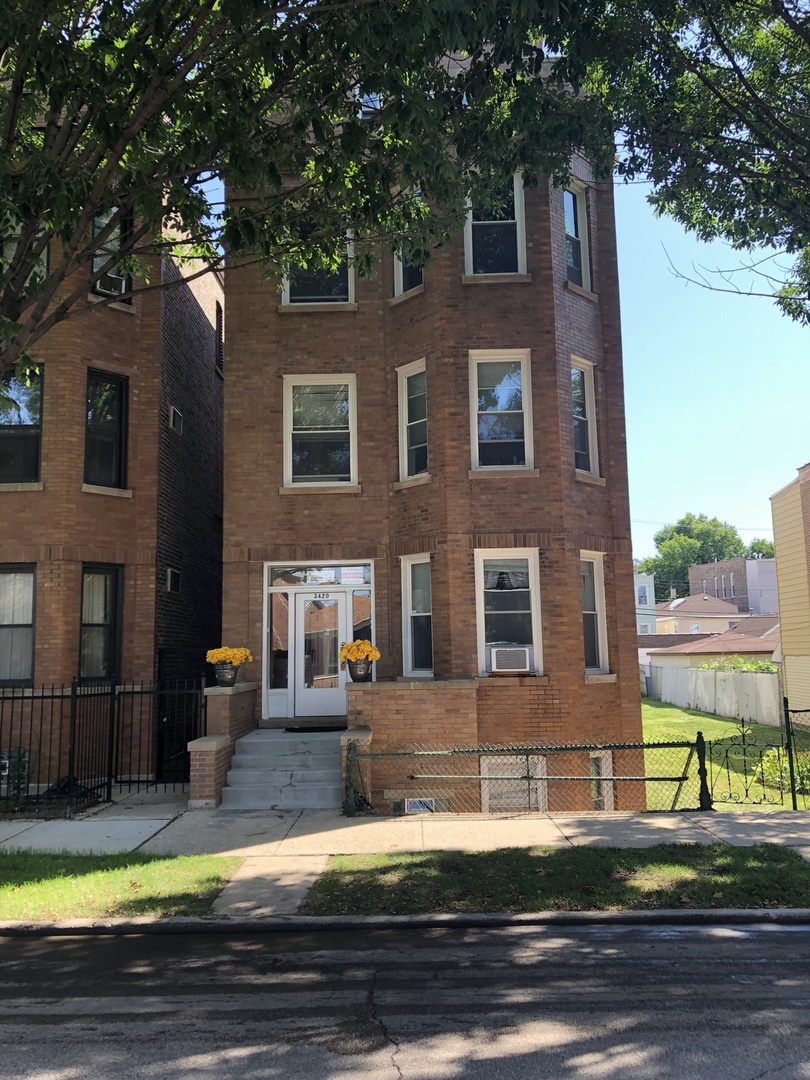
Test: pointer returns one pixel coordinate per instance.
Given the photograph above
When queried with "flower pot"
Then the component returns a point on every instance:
(359, 670)
(225, 674)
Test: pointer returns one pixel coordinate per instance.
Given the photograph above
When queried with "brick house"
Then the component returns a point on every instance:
(436, 459)
(750, 584)
(111, 491)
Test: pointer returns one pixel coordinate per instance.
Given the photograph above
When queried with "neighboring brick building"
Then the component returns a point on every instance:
(749, 584)
(445, 449)
(111, 492)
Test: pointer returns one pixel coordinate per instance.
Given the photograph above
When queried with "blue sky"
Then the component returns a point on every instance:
(717, 387)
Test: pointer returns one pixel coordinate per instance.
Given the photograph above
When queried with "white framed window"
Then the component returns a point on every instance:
(594, 622)
(407, 275)
(175, 419)
(600, 768)
(643, 628)
(316, 286)
(694, 627)
(17, 619)
(495, 233)
(575, 203)
(320, 430)
(413, 444)
(642, 595)
(583, 399)
(723, 585)
(417, 616)
(501, 435)
(716, 589)
(731, 584)
(115, 226)
(507, 608)
(704, 586)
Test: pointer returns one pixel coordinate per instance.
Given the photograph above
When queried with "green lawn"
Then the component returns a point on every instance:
(571, 879)
(733, 776)
(43, 887)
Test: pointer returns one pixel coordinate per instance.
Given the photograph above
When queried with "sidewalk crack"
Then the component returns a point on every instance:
(372, 1005)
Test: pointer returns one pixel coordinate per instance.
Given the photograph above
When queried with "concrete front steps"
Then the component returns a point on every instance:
(280, 770)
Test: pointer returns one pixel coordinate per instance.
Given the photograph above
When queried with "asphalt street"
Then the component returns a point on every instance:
(722, 1002)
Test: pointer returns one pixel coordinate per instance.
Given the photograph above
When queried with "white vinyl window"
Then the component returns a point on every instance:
(583, 400)
(495, 233)
(417, 616)
(501, 434)
(642, 596)
(723, 585)
(413, 444)
(507, 603)
(316, 286)
(644, 628)
(575, 202)
(320, 430)
(731, 584)
(16, 624)
(407, 275)
(594, 622)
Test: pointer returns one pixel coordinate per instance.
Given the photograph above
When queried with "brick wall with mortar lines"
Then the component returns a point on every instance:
(60, 527)
(190, 494)
(453, 513)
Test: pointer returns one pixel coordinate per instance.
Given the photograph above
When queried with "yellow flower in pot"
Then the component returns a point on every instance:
(359, 656)
(227, 662)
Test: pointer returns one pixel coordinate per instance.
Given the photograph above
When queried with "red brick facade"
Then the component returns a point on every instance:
(549, 508)
(168, 512)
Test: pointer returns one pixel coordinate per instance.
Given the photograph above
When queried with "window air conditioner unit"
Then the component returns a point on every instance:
(111, 285)
(511, 660)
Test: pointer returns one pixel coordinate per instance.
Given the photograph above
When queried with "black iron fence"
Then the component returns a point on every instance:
(63, 748)
(528, 779)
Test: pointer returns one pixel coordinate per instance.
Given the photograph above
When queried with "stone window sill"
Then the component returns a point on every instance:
(496, 279)
(321, 489)
(33, 485)
(311, 309)
(117, 493)
(586, 294)
(501, 474)
(412, 481)
(595, 679)
(588, 478)
(115, 305)
(395, 301)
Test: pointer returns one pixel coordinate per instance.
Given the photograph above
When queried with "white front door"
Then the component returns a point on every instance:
(321, 624)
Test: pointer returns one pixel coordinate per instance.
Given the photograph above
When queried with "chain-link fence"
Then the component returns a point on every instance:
(527, 779)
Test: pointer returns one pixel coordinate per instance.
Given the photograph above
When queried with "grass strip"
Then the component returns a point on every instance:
(41, 887)
(570, 879)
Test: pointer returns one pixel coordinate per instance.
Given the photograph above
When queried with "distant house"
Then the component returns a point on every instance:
(644, 585)
(695, 615)
(696, 653)
(749, 584)
(791, 526)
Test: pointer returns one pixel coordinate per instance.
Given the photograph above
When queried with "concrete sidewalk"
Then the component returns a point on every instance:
(285, 851)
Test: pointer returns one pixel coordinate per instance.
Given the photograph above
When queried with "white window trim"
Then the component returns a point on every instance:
(520, 222)
(478, 356)
(598, 560)
(587, 367)
(731, 582)
(403, 374)
(399, 286)
(408, 670)
(580, 193)
(285, 288)
(309, 380)
(480, 554)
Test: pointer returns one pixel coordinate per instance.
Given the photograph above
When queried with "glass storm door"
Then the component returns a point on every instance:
(320, 627)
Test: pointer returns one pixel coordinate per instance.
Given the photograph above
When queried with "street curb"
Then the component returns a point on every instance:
(291, 924)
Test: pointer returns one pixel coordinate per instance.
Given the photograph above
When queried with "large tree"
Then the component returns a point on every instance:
(712, 102)
(117, 115)
(692, 540)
